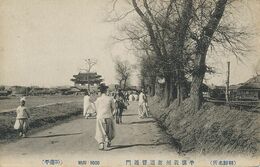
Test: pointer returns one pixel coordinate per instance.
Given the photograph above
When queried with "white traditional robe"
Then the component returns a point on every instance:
(89, 107)
(141, 105)
(22, 119)
(105, 127)
(130, 97)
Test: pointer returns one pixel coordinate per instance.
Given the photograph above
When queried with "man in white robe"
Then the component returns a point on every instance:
(105, 127)
(89, 107)
(141, 103)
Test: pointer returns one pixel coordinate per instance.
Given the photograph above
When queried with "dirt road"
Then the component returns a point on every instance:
(74, 141)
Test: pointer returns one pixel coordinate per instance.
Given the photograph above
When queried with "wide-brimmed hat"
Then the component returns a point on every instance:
(102, 87)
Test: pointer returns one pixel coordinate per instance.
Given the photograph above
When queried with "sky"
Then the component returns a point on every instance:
(246, 15)
(45, 42)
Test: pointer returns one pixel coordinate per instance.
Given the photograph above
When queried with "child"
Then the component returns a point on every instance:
(22, 116)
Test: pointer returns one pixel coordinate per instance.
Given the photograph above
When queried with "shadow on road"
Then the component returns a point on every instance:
(130, 114)
(141, 122)
(114, 147)
(55, 135)
(91, 118)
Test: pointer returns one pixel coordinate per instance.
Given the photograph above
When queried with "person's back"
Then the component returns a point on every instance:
(136, 97)
(105, 128)
(104, 106)
(86, 104)
(141, 98)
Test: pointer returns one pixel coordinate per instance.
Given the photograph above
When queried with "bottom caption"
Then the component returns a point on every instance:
(53, 162)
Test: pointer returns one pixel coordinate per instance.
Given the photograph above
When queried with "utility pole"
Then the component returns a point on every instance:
(227, 83)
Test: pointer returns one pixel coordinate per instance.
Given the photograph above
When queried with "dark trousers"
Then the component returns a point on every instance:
(119, 113)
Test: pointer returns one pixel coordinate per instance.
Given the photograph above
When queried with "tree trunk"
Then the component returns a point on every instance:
(179, 94)
(168, 91)
(201, 53)
(195, 92)
(125, 84)
(120, 83)
(180, 85)
(153, 82)
(181, 34)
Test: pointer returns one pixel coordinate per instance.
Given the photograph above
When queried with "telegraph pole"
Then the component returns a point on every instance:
(227, 83)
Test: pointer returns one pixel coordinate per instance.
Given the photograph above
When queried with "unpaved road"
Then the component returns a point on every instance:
(73, 141)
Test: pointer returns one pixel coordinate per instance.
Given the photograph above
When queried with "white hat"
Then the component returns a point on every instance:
(22, 99)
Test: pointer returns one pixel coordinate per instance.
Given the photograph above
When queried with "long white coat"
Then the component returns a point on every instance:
(104, 108)
(89, 107)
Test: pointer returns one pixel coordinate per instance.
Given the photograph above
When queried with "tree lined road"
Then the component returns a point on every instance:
(76, 139)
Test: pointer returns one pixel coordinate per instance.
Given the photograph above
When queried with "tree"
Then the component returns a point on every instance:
(158, 44)
(149, 72)
(123, 72)
(179, 35)
(90, 63)
(202, 45)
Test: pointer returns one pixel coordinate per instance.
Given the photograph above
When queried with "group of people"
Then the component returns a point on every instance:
(105, 108)
(120, 101)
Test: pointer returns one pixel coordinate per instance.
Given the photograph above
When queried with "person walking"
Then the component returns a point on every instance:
(22, 116)
(105, 128)
(146, 109)
(141, 103)
(120, 106)
(89, 107)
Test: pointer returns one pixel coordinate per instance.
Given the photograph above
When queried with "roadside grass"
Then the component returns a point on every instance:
(211, 130)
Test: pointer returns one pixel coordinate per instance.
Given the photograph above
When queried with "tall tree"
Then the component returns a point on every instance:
(123, 72)
(202, 46)
(179, 33)
(158, 43)
(89, 64)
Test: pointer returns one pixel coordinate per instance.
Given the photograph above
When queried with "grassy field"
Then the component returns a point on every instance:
(33, 101)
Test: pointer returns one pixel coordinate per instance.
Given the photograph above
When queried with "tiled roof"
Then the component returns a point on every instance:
(252, 83)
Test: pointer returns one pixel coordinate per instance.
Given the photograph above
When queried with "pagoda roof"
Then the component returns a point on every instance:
(87, 74)
(87, 78)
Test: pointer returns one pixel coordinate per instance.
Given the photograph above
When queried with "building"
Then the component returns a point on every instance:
(88, 78)
(20, 90)
(248, 91)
